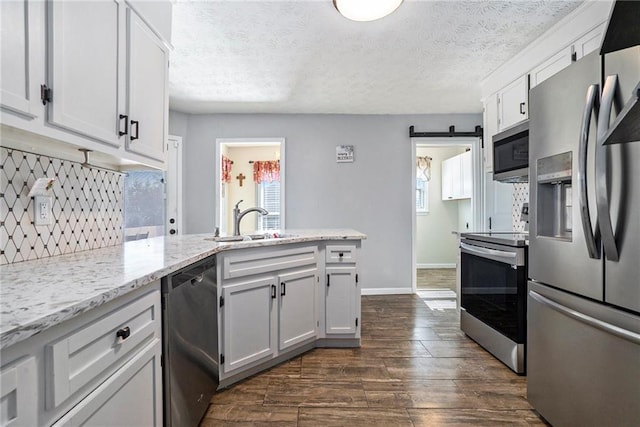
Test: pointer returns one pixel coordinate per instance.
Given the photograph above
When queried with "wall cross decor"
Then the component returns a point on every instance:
(241, 178)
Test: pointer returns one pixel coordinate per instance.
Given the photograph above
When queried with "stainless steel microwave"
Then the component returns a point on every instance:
(511, 154)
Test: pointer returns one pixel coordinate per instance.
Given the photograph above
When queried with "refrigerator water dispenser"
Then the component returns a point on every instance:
(554, 207)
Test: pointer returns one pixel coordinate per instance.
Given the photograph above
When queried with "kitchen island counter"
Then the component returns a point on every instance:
(36, 295)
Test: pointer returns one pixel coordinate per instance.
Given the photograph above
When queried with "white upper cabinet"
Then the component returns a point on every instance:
(588, 43)
(147, 77)
(83, 68)
(551, 66)
(513, 103)
(95, 76)
(457, 182)
(490, 124)
(21, 50)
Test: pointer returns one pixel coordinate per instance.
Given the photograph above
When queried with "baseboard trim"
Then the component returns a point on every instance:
(436, 265)
(386, 291)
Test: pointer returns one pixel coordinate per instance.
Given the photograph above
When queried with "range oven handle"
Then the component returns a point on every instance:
(496, 255)
(591, 106)
(584, 318)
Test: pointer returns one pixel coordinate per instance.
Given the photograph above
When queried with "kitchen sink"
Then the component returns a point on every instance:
(247, 237)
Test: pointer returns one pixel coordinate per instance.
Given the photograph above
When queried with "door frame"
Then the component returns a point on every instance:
(248, 141)
(477, 192)
(176, 142)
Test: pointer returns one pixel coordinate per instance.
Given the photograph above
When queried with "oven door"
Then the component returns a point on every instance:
(493, 288)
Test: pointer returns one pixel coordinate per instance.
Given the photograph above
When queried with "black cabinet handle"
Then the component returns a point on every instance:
(273, 291)
(340, 254)
(135, 123)
(123, 333)
(522, 108)
(328, 280)
(126, 124)
(172, 231)
(283, 289)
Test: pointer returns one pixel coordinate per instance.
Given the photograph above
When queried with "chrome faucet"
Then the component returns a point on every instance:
(237, 216)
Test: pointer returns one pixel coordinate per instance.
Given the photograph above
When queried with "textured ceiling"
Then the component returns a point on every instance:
(239, 56)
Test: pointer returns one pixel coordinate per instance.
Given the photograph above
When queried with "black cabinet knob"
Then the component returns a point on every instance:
(123, 333)
(172, 221)
(341, 254)
(172, 231)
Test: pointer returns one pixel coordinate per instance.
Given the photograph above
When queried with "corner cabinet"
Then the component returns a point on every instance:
(273, 304)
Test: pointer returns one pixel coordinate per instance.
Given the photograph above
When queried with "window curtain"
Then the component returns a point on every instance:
(423, 168)
(266, 171)
(226, 169)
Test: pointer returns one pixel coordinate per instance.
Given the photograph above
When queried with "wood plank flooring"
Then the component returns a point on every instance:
(415, 368)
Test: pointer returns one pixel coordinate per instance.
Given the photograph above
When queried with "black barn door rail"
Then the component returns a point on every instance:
(452, 133)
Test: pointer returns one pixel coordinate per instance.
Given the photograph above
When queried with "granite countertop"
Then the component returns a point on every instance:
(35, 295)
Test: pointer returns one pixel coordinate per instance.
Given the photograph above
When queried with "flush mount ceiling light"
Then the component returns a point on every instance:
(366, 10)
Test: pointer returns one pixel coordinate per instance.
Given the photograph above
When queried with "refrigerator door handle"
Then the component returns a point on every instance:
(602, 193)
(591, 106)
(586, 319)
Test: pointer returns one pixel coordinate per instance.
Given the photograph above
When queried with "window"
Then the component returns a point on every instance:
(143, 204)
(422, 195)
(268, 197)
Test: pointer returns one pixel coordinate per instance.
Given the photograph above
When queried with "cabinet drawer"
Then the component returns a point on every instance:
(267, 261)
(340, 254)
(99, 347)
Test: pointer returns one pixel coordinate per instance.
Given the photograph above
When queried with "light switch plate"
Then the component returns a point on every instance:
(42, 214)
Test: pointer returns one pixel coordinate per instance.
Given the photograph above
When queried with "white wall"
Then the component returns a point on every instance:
(372, 195)
(435, 245)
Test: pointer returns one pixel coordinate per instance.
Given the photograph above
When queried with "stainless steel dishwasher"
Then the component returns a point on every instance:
(190, 342)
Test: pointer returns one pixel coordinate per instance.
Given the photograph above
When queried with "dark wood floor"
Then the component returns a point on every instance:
(415, 368)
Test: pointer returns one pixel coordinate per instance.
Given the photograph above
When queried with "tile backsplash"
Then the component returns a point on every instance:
(520, 196)
(87, 207)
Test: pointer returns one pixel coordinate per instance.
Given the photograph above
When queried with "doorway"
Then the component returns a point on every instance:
(251, 173)
(448, 200)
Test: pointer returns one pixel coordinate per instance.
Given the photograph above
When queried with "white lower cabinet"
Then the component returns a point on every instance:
(297, 319)
(18, 386)
(248, 313)
(101, 367)
(273, 304)
(341, 300)
(130, 397)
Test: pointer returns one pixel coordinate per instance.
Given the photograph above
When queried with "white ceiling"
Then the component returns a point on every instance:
(268, 56)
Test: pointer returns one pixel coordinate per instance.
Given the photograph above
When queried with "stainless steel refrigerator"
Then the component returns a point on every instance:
(583, 305)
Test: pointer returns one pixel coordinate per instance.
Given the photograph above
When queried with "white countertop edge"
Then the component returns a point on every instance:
(36, 295)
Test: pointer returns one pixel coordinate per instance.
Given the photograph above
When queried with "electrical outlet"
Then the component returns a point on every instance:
(42, 210)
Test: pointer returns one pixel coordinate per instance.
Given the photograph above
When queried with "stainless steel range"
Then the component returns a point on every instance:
(494, 294)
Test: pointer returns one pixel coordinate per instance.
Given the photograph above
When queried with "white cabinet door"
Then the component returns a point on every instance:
(18, 394)
(341, 301)
(147, 89)
(551, 66)
(589, 42)
(450, 169)
(130, 397)
(466, 175)
(297, 311)
(490, 120)
(248, 322)
(84, 71)
(513, 103)
(22, 56)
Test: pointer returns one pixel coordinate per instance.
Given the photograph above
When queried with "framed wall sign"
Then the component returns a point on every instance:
(344, 153)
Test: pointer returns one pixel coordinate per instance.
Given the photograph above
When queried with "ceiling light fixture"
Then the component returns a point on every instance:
(366, 10)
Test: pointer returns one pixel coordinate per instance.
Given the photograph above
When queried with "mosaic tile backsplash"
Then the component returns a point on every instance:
(520, 196)
(86, 207)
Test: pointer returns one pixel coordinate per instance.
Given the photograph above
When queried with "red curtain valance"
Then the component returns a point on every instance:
(268, 171)
(226, 169)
